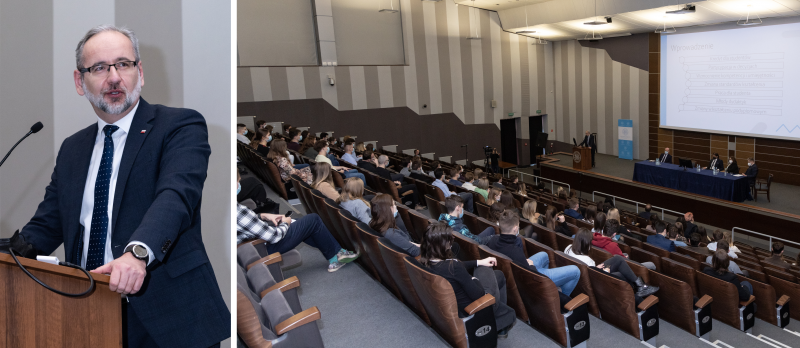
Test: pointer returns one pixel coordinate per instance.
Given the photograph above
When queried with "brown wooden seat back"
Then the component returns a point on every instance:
(369, 240)
(686, 251)
(433, 207)
(677, 306)
(393, 259)
(419, 223)
(599, 255)
(632, 242)
(332, 209)
(683, 272)
(725, 307)
(755, 274)
(618, 306)
(765, 299)
(625, 248)
(322, 210)
(640, 255)
(301, 192)
(562, 241)
(686, 260)
(512, 290)
(540, 298)
(655, 250)
(533, 247)
(780, 274)
(468, 247)
(477, 224)
(405, 215)
(584, 283)
(349, 223)
(546, 235)
(783, 287)
(483, 210)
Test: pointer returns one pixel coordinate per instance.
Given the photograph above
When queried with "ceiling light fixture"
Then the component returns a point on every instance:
(538, 41)
(689, 8)
(748, 21)
(526, 25)
(476, 22)
(390, 9)
(595, 21)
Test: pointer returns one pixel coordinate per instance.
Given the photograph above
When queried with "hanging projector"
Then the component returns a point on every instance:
(686, 9)
(596, 22)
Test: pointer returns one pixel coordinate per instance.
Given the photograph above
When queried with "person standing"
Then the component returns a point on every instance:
(590, 141)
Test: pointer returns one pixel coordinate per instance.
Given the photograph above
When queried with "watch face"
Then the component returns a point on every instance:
(139, 251)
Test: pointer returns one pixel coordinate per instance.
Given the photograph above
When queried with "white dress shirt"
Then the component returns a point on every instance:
(87, 206)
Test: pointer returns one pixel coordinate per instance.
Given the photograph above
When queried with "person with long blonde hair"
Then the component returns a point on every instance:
(360, 147)
(613, 214)
(352, 199)
(529, 212)
(323, 181)
(280, 157)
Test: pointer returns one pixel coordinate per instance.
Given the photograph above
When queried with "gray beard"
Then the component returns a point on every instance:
(113, 109)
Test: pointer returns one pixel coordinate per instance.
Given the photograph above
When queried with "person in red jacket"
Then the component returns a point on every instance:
(606, 242)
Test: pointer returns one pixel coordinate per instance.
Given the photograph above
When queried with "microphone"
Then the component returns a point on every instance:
(35, 128)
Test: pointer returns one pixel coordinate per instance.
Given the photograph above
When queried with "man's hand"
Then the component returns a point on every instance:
(397, 183)
(530, 262)
(275, 219)
(127, 273)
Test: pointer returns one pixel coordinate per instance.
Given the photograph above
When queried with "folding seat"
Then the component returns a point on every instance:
(546, 236)
(686, 260)
(271, 323)
(369, 242)
(281, 188)
(726, 306)
(483, 210)
(618, 307)
(354, 242)
(512, 292)
(390, 188)
(332, 210)
(685, 273)
(572, 228)
(780, 274)
(338, 178)
(261, 282)
(435, 192)
(404, 213)
(599, 255)
(625, 248)
(393, 258)
(755, 274)
(567, 325)
(786, 288)
(301, 193)
(477, 224)
(533, 247)
(562, 241)
(632, 241)
(477, 330)
(468, 248)
(419, 224)
(433, 207)
(678, 306)
(248, 254)
(639, 235)
(655, 250)
(584, 283)
(319, 201)
(478, 198)
(584, 224)
(748, 263)
(640, 255)
(570, 220)
(771, 309)
(686, 251)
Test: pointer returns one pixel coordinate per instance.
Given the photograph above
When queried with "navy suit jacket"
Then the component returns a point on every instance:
(752, 173)
(456, 183)
(668, 159)
(645, 215)
(661, 242)
(574, 214)
(157, 202)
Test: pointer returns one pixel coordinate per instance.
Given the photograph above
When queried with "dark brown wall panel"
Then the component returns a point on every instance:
(691, 141)
(778, 143)
(782, 151)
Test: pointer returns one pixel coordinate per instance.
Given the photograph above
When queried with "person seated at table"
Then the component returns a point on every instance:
(572, 210)
(660, 239)
(751, 173)
(715, 162)
(665, 157)
(733, 166)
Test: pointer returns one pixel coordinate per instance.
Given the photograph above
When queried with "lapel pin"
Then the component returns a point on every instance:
(143, 131)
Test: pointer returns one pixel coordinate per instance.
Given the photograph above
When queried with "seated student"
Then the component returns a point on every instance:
(694, 244)
(605, 241)
(324, 156)
(434, 166)
(565, 278)
(280, 157)
(482, 188)
(307, 147)
(509, 202)
(370, 147)
(590, 213)
(613, 214)
(726, 236)
(719, 237)
(411, 200)
(454, 175)
(719, 269)
(386, 222)
(260, 140)
(439, 183)
(281, 235)
(653, 219)
(360, 147)
(616, 265)
(556, 221)
(323, 181)
(494, 194)
(350, 156)
(286, 128)
(530, 215)
(454, 219)
(469, 178)
(660, 239)
(241, 131)
(437, 256)
(646, 213)
(561, 193)
(251, 188)
(368, 161)
(689, 227)
(406, 171)
(733, 267)
(495, 211)
(572, 210)
(673, 234)
(513, 184)
(295, 137)
(776, 259)
(352, 199)
(599, 222)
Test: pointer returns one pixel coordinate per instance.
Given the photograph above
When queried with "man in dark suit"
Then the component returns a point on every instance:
(589, 140)
(689, 227)
(646, 213)
(660, 239)
(751, 173)
(715, 162)
(665, 157)
(124, 199)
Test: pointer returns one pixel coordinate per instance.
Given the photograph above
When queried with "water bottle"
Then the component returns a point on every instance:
(658, 162)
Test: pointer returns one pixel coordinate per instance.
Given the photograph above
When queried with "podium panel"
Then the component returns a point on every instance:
(33, 316)
(581, 158)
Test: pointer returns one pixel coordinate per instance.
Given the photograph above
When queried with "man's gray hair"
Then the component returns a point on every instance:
(99, 29)
(383, 160)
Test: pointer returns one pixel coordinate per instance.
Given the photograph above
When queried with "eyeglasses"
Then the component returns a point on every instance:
(101, 70)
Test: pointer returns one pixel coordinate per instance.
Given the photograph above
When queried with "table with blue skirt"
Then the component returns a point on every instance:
(704, 182)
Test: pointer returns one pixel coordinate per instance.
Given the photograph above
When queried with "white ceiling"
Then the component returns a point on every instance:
(563, 19)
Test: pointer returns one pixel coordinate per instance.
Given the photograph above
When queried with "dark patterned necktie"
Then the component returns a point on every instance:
(99, 230)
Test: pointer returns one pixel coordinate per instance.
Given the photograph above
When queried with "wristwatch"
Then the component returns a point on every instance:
(138, 252)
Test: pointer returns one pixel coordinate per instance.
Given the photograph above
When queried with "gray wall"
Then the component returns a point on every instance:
(287, 25)
(179, 41)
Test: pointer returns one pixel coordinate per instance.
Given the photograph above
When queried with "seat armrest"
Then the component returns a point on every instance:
(704, 301)
(406, 193)
(650, 301)
(481, 303)
(298, 320)
(576, 302)
(749, 301)
(267, 260)
(783, 300)
(286, 285)
(253, 242)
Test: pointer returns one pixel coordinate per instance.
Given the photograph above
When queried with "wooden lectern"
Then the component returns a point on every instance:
(581, 158)
(33, 316)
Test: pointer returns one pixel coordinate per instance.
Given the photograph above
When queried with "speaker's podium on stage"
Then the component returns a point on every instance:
(33, 316)
(581, 158)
